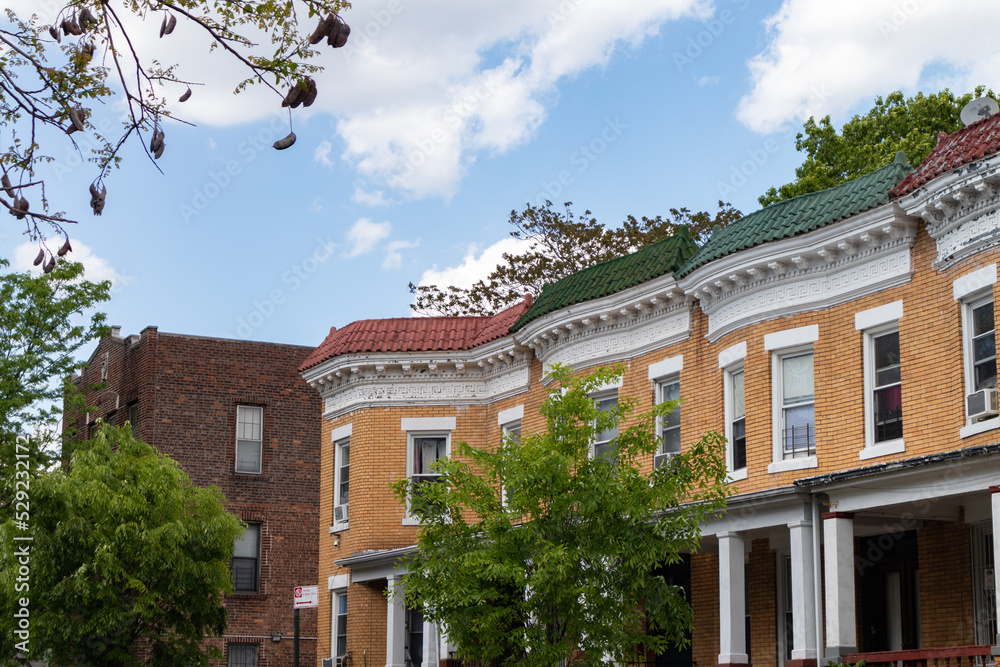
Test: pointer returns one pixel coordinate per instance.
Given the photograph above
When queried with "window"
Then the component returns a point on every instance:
(414, 637)
(342, 483)
(983, 348)
(797, 403)
(242, 655)
(246, 558)
(883, 380)
(737, 425)
(512, 433)
(133, 417)
(249, 425)
(887, 396)
(669, 426)
(603, 442)
(425, 451)
(339, 625)
(111, 419)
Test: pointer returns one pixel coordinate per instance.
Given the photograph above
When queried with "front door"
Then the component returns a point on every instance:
(678, 574)
(890, 594)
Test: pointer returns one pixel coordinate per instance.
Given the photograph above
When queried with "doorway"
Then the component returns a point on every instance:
(678, 574)
(890, 592)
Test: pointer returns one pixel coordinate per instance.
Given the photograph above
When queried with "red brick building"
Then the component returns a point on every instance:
(844, 343)
(236, 415)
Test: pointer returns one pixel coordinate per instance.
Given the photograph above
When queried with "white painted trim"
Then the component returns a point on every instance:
(509, 415)
(736, 475)
(868, 362)
(427, 424)
(973, 282)
(874, 317)
(669, 366)
(896, 446)
(338, 581)
(339, 527)
(341, 432)
(732, 354)
(793, 464)
(979, 427)
(411, 435)
(791, 337)
(777, 406)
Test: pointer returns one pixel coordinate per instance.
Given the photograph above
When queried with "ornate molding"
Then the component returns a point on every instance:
(857, 256)
(961, 210)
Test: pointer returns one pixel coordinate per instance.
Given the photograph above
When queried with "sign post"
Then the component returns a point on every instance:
(305, 597)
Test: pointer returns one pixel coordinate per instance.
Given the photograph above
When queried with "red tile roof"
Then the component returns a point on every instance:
(973, 142)
(415, 334)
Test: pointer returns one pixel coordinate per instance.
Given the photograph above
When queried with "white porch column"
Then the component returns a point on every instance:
(803, 595)
(431, 642)
(995, 491)
(838, 557)
(732, 600)
(395, 624)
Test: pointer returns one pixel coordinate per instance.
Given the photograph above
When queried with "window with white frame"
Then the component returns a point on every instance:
(731, 362)
(974, 292)
(339, 625)
(246, 560)
(242, 655)
(428, 440)
(249, 430)
(342, 482)
(797, 404)
(883, 379)
(604, 440)
(511, 434)
(670, 424)
(982, 351)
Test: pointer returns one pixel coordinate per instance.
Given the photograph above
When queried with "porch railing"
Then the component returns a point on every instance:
(953, 656)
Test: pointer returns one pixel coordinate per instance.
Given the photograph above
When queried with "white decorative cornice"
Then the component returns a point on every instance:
(961, 210)
(842, 261)
(487, 373)
(614, 328)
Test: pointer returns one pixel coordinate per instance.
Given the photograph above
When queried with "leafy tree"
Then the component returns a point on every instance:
(44, 320)
(869, 142)
(561, 244)
(126, 553)
(55, 68)
(562, 559)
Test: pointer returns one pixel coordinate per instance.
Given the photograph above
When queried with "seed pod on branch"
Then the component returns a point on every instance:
(65, 248)
(323, 29)
(8, 187)
(310, 92)
(186, 96)
(156, 141)
(40, 257)
(169, 23)
(338, 34)
(295, 95)
(97, 197)
(75, 118)
(71, 27)
(282, 144)
(86, 19)
(20, 208)
(49, 265)
(56, 35)
(86, 52)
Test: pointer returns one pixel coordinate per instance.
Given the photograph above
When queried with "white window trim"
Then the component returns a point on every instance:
(882, 326)
(659, 384)
(338, 526)
(505, 428)
(781, 344)
(341, 432)
(236, 440)
(971, 290)
(731, 360)
(427, 424)
(409, 520)
(514, 414)
(671, 366)
(607, 390)
(337, 592)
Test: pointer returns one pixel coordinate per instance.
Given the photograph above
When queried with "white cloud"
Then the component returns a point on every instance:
(322, 153)
(422, 88)
(394, 258)
(95, 269)
(364, 235)
(366, 198)
(317, 206)
(825, 58)
(707, 81)
(474, 268)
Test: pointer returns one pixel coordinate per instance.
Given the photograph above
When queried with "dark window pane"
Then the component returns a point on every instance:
(984, 347)
(604, 405)
(242, 655)
(415, 638)
(245, 575)
(887, 350)
(739, 444)
(671, 441)
(986, 374)
(982, 319)
(799, 435)
(888, 414)
(426, 452)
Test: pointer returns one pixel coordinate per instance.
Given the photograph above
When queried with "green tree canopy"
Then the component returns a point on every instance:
(125, 551)
(869, 142)
(561, 244)
(533, 550)
(71, 56)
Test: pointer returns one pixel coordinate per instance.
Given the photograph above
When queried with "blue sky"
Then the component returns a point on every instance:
(442, 116)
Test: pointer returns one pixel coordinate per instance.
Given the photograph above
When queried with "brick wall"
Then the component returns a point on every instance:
(187, 389)
(705, 603)
(945, 558)
(763, 605)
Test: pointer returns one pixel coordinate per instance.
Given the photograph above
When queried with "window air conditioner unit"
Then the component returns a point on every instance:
(329, 662)
(662, 460)
(982, 403)
(340, 513)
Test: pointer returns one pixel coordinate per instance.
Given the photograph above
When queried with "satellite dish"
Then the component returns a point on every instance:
(978, 109)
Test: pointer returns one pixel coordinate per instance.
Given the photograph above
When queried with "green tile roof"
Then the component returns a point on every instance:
(802, 214)
(612, 276)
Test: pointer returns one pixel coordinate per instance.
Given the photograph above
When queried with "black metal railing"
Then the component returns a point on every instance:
(799, 441)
